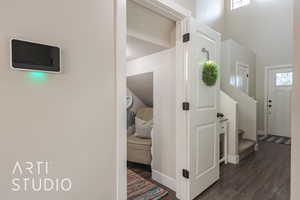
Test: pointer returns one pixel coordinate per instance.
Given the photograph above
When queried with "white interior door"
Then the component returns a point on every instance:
(279, 101)
(203, 137)
(242, 77)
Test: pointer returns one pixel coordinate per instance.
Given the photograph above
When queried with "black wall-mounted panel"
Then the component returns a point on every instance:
(33, 56)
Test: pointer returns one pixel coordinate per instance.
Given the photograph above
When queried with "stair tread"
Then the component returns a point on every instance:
(245, 144)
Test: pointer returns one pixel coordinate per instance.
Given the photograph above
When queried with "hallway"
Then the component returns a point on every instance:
(264, 175)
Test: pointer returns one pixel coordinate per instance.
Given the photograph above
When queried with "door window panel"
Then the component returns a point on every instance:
(284, 79)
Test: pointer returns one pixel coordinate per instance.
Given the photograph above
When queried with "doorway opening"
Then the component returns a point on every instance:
(150, 55)
(180, 96)
(140, 131)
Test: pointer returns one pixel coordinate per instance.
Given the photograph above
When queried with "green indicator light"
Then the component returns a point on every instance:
(38, 76)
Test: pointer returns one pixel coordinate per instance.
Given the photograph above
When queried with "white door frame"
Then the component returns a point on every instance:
(171, 10)
(240, 64)
(267, 70)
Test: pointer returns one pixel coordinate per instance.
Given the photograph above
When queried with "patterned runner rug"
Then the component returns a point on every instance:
(140, 189)
(274, 139)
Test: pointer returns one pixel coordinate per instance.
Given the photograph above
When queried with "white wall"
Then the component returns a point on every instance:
(247, 111)
(137, 103)
(67, 119)
(296, 108)
(266, 28)
(232, 52)
(164, 141)
(142, 86)
(211, 13)
(188, 4)
(137, 48)
(144, 24)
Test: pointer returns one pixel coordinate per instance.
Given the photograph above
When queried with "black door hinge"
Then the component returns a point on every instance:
(186, 37)
(186, 106)
(247, 75)
(185, 173)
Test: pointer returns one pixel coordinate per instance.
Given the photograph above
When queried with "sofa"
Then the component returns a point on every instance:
(138, 148)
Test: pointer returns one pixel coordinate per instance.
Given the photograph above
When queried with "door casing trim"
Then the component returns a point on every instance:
(266, 92)
(240, 64)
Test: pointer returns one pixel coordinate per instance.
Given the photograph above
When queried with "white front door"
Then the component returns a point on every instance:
(202, 124)
(242, 77)
(280, 82)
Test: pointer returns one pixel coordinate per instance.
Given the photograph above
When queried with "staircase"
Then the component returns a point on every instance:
(238, 106)
(246, 146)
(241, 115)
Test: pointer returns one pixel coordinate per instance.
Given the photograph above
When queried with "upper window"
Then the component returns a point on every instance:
(284, 79)
(239, 3)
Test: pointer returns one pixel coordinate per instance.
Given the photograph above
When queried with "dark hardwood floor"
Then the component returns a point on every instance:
(264, 175)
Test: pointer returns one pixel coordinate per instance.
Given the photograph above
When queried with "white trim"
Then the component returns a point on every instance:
(171, 10)
(237, 65)
(166, 8)
(164, 179)
(121, 136)
(266, 92)
(233, 159)
(181, 158)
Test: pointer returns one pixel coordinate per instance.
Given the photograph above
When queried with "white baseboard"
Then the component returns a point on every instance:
(164, 180)
(233, 159)
(261, 132)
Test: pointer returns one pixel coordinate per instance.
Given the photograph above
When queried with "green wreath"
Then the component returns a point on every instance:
(210, 73)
